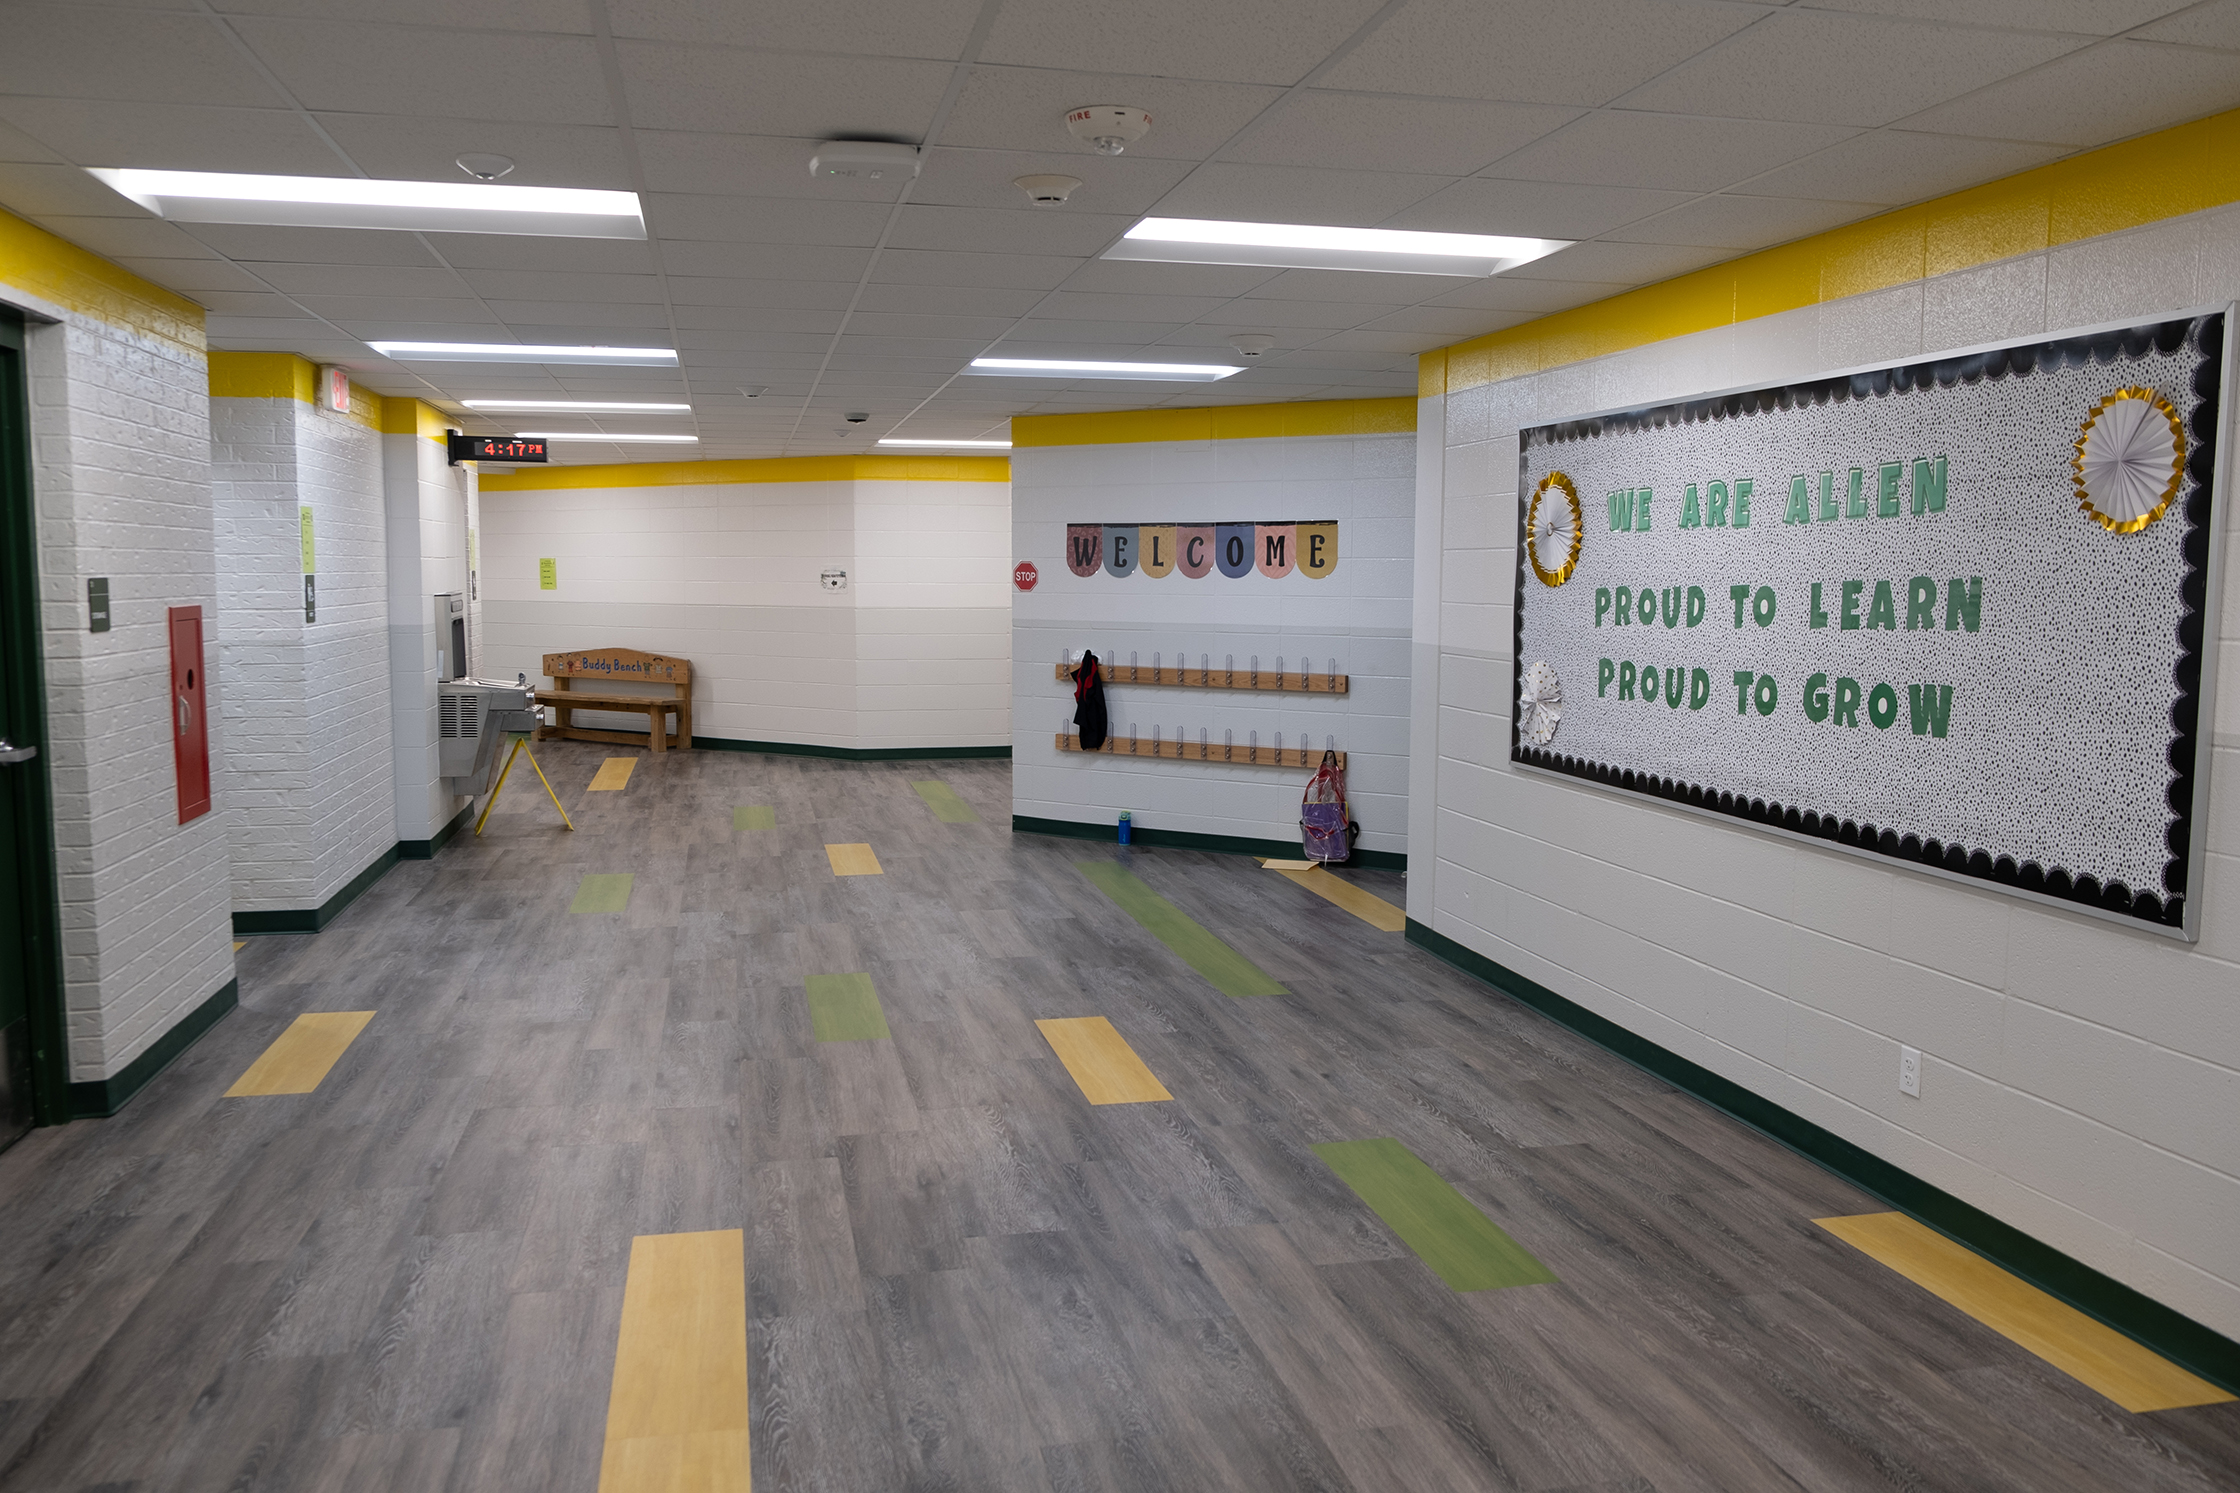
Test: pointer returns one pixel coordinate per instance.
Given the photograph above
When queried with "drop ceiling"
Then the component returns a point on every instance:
(1662, 135)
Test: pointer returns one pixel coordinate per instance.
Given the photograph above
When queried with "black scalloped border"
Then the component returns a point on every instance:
(2164, 907)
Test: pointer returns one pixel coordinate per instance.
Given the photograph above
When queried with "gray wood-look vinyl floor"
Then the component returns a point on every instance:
(961, 1275)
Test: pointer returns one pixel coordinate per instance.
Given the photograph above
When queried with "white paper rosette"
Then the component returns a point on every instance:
(2130, 455)
(1539, 704)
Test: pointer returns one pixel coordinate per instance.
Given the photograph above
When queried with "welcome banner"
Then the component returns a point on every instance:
(1195, 551)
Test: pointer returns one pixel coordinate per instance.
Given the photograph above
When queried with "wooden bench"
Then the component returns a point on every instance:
(618, 666)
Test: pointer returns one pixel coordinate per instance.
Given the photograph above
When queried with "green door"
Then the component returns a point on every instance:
(33, 1073)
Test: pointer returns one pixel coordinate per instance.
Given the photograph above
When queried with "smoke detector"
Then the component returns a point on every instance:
(1047, 190)
(857, 417)
(1252, 344)
(1111, 128)
(485, 167)
(865, 160)
(754, 391)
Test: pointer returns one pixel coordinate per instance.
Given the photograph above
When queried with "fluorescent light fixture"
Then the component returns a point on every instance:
(352, 202)
(594, 435)
(1172, 373)
(587, 406)
(902, 440)
(515, 352)
(1304, 246)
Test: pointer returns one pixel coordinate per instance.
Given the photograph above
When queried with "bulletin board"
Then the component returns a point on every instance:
(1957, 612)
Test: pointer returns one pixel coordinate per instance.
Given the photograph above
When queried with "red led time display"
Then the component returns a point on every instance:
(496, 448)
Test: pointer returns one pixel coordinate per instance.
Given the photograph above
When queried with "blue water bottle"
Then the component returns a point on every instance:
(1125, 825)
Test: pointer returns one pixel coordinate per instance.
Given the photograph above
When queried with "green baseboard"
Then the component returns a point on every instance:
(425, 850)
(2174, 1335)
(103, 1097)
(1178, 839)
(312, 919)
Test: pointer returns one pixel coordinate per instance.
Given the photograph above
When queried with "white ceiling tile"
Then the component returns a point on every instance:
(950, 300)
(406, 329)
(1140, 277)
(224, 329)
(125, 238)
(1896, 166)
(1087, 306)
(480, 15)
(2088, 17)
(869, 28)
(190, 277)
(510, 251)
(252, 245)
(1072, 330)
(1740, 223)
(1582, 52)
(708, 290)
(557, 285)
(2114, 90)
(766, 220)
(395, 307)
(745, 165)
(1680, 152)
(1353, 285)
(361, 279)
(245, 303)
(2216, 24)
(1381, 132)
(174, 137)
(1535, 297)
(29, 187)
(1818, 67)
(1382, 342)
(764, 261)
(1262, 313)
(757, 319)
(1296, 194)
(989, 179)
(334, 65)
(1021, 109)
(1604, 266)
(1448, 322)
(1007, 271)
(810, 98)
(396, 147)
(579, 313)
(72, 51)
(15, 145)
(751, 342)
(980, 329)
(1026, 230)
(1535, 209)
(1245, 41)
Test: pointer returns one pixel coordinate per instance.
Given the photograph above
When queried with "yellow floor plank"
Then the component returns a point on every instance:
(677, 1414)
(853, 860)
(2135, 1377)
(1101, 1061)
(613, 775)
(1275, 865)
(1367, 906)
(300, 1056)
(239, 944)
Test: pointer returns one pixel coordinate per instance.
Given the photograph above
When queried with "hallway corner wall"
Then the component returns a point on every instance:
(429, 508)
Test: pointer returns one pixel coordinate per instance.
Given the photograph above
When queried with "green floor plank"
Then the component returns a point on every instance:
(946, 806)
(603, 893)
(754, 816)
(845, 1008)
(1230, 972)
(1445, 1229)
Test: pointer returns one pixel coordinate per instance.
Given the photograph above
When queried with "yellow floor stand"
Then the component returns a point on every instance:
(520, 749)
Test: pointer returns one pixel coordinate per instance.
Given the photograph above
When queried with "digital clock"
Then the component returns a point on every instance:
(495, 448)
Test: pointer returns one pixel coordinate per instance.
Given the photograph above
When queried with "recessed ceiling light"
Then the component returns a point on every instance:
(592, 406)
(1192, 373)
(594, 435)
(515, 352)
(901, 440)
(351, 202)
(1305, 246)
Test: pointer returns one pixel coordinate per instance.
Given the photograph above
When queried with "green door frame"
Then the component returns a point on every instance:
(24, 709)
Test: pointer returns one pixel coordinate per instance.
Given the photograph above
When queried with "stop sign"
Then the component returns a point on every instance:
(1025, 575)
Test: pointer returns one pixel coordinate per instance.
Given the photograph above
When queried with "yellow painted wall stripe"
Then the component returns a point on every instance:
(300, 1057)
(2164, 175)
(283, 376)
(677, 1413)
(414, 417)
(62, 274)
(613, 775)
(1236, 422)
(1101, 1061)
(2135, 1377)
(1367, 906)
(772, 469)
(853, 860)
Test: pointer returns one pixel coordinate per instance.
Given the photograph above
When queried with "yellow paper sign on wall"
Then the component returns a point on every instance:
(548, 575)
(308, 566)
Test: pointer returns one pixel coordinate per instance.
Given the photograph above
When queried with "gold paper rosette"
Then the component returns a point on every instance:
(2129, 458)
(1554, 526)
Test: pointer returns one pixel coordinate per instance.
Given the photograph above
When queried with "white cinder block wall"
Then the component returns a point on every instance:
(2081, 1080)
(913, 653)
(1359, 615)
(428, 506)
(310, 780)
(120, 449)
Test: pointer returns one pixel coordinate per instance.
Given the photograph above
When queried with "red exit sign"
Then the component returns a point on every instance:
(495, 448)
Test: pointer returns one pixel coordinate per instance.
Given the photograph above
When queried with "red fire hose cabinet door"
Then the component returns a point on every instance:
(190, 731)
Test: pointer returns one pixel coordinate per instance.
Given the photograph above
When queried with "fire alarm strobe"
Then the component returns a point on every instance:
(1025, 575)
(835, 580)
(1108, 128)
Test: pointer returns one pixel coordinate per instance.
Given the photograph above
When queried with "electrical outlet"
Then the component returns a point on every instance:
(1909, 1071)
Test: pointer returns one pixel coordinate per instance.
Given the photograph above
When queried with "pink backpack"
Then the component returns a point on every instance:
(1324, 827)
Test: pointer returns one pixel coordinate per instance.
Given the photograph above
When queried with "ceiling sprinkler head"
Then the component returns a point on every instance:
(1047, 190)
(1252, 344)
(485, 167)
(1110, 128)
